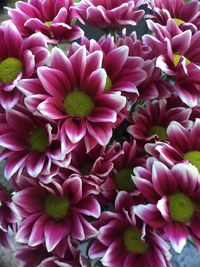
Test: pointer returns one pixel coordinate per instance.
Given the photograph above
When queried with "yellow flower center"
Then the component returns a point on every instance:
(57, 207)
(108, 84)
(194, 158)
(38, 140)
(123, 180)
(177, 58)
(9, 69)
(178, 21)
(159, 131)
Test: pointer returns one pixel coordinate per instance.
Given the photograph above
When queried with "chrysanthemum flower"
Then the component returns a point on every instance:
(185, 14)
(183, 145)
(53, 18)
(54, 211)
(123, 241)
(124, 158)
(8, 219)
(153, 86)
(111, 14)
(174, 200)
(75, 98)
(38, 256)
(178, 57)
(30, 143)
(151, 122)
(18, 59)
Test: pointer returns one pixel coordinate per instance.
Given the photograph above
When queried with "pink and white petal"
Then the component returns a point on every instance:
(116, 101)
(177, 234)
(52, 108)
(93, 62)
(100, 131)
(150, 214)
(163, 179)
(13, 142)
(14, 163)
(29, 63)
(30, 86)
(89, 206)
(103, 114)
(54, 232)
(37, 234)
(35, 163)
(97, 250)
(76, 228)
(79, 69)
(75, 129)
(54, 82)
(135, 260)
(162, 206)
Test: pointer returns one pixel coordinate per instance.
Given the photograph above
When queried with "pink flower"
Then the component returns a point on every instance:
(174, 200)
(151, 122)
(124, 158)
(54, 211)
(38, 256)
(185, 15)
(178, 57)
(8, 219)
(124, 241)
(18, 59)
(153, 86)
(30, 144)
(182, 146)
(111, 14)
(75, 98)
(53, 18)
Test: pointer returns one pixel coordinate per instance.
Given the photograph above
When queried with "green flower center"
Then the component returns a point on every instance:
(177, 58)
(48, 23)
(159, 131)
(9, 69)
(123, 180)
(77, 103)
(56, 207)
(38, 140)
(108, 84)
(178, 21)
(133, 241)
(181, 207)
(194, 158)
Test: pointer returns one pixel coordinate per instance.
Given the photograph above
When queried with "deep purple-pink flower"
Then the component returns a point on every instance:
(173, 195)
(74, 96)
(18, 59)
(54, 211)
(110, 14)
(53, 18)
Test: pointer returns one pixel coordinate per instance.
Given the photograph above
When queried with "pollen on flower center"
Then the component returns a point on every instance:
(123, 180)
(57, 207)
(177, 58)
(48, 23)
(133, 241)
(38, 140)
(194, 158)
(78, 103)
(178, 21)
(160, 131)
(181, 207)
(9, 69)
(108, 84)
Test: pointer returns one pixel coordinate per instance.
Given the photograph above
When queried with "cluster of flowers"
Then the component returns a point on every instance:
(101, 140)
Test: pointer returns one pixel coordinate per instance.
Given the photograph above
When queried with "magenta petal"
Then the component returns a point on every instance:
(37, 234)
(12, 141)
(72, 189)
(54, 232)
(97, 250)
(14, 162)
(101, 132)
(75, 129)
(35, 163)
(76, 230)
(52, 108)
(102, 114)
(177, 234)
(89, 206)
(150, 215)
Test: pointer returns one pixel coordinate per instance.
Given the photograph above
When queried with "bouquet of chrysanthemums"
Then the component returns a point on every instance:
(100, 138)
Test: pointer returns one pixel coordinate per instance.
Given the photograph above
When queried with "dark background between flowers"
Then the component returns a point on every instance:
(189, 257)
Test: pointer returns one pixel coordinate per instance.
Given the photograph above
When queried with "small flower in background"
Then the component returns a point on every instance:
(110, 15)
(53, 18)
